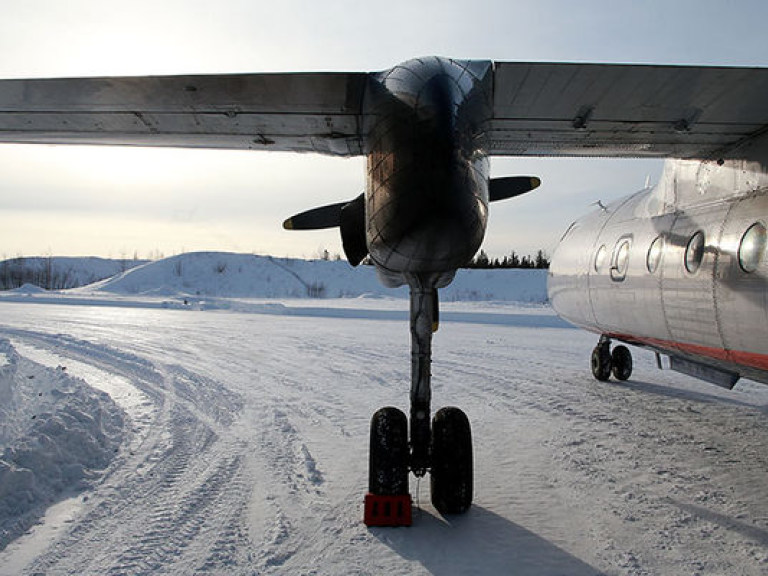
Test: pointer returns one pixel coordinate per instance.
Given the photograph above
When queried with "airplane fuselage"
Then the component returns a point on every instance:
(679, 268)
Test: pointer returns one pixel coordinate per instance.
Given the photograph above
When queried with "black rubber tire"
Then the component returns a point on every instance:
(451, 475)
(388, 457)
(601, 363)
(621, 362)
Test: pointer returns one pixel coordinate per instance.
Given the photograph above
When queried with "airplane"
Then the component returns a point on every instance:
(679, 268)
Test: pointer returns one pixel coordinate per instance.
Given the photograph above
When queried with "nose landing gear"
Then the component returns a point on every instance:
(604, 362)
(443, 448)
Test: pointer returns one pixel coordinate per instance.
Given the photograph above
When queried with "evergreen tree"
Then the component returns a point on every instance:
(541, 260)
(481, 260)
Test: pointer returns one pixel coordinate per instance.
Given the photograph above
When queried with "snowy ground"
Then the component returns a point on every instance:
(245, 448)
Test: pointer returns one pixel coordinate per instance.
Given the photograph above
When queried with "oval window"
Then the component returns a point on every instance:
(752, 247)
(654, 254)
(694, 252)
(620, 260)
(600, 258)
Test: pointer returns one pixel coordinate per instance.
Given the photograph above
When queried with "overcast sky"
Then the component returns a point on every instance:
(117, 201)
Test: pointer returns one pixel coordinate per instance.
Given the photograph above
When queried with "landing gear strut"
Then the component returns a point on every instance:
(442, 447)
(604, 362)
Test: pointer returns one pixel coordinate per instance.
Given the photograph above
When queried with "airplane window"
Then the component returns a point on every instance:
(694, 252)
(752, 247)
(621, 260)
(654, 254)
(600, 258)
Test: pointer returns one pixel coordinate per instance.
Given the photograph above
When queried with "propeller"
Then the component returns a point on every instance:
(349, 217)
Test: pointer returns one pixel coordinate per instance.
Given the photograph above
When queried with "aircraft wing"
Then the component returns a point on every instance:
(539, 109)
(302, 112)
(542, 109)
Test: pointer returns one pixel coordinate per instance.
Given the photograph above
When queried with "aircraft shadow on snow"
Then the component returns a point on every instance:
(480, 542)
(757, 534)
(499, 319)
(682, 394)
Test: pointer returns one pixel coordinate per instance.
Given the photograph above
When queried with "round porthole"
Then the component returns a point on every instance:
(694, 252)
(654, 254)
(600, 258)
(752, 247)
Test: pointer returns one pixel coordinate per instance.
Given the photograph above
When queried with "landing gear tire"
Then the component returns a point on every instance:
(601, 362)
(621, 361)
(451, 475)
(388, 457)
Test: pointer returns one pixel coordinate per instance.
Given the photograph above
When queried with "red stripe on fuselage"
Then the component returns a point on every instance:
(737, 357)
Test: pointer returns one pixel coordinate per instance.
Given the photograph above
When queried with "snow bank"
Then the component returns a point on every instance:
(226, 275)
(56, 436)
(27, 289)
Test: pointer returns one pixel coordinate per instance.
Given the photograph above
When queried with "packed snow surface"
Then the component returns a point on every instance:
(232, 439)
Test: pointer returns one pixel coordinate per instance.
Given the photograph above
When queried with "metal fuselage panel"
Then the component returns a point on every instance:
(427, 181)
(709, 309)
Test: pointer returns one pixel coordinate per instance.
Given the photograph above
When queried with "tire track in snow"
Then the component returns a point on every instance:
(182, 489)
(125, 507)
(181, 518)
(294, 476)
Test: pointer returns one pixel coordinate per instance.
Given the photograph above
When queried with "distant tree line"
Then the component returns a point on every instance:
(514, 260)
(47, 273)
(18, 271)
(481, 260)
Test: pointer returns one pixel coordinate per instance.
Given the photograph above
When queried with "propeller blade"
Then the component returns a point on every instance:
(511, 186)
(317, 218)
(353, 230)
(348, 216)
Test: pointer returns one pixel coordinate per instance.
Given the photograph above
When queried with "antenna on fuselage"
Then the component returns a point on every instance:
(600, 204)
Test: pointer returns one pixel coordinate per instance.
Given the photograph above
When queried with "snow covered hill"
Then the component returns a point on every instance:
(223, 275)
(226, 275)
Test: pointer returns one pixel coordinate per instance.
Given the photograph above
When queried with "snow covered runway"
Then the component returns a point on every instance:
(245, 450)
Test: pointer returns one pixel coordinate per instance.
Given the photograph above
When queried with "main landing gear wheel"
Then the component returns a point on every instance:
(621, 361)
(601, 362)
(451, 475)
(604, 362)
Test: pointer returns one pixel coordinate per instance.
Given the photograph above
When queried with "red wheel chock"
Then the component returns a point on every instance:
(387, 510)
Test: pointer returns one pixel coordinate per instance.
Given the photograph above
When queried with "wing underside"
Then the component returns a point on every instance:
(539, 109)
(625, 110)
(312, 112)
